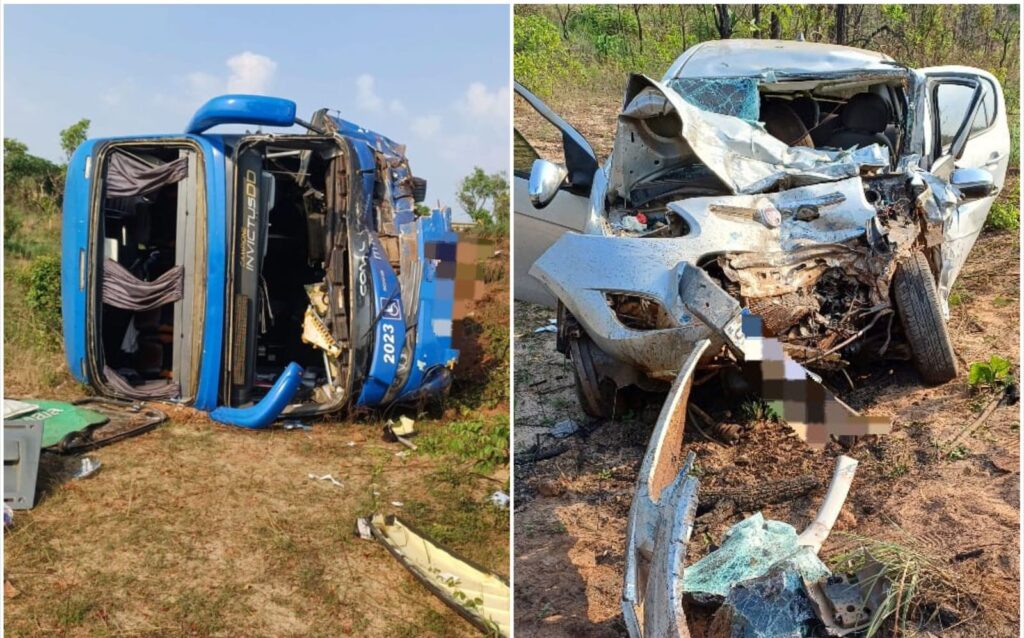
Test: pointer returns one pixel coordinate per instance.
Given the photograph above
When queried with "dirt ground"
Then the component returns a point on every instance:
(200, 529)
(571, 510)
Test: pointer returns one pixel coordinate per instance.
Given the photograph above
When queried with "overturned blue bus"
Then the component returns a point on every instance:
(256, 275)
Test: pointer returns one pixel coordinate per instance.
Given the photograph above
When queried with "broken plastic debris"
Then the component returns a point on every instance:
(398, 503)
(87, 468)
(325, 477)
(479, 596)
(564, 429)
(749, 550)
(633, 224)
(13, 408)
(405, 426)
(295, 424)
(363, 528)
(351, 444)
(547, 328)
(500, 499)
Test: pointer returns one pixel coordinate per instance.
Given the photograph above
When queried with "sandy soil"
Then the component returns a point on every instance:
(571, 510)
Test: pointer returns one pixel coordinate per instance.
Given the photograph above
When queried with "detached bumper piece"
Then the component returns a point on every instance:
(760, 568)
(477, 595)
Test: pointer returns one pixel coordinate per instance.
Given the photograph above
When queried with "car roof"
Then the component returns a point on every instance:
(746, 58)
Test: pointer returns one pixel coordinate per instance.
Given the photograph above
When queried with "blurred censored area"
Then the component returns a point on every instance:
(468, 267)
(798, 397)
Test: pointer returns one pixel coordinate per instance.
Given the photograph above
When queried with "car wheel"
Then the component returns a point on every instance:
(921, 315)
(596, 394)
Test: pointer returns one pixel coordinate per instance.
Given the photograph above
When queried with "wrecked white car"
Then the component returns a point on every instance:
(830, 191)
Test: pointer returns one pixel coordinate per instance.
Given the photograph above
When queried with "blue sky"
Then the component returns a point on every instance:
(432, 77)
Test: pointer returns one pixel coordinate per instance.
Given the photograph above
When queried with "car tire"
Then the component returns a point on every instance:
(921, 315)
(596, 394)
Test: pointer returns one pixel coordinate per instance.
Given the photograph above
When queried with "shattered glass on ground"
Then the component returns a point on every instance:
(750, 549)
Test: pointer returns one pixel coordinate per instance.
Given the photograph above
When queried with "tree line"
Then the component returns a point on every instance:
(556, 42)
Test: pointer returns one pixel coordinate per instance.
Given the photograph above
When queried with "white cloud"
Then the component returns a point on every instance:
(366, 94)
(425, 126)
(397, 107)
(250, 73)
(481, 103)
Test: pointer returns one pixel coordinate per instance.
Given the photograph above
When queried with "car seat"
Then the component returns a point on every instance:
(862, 123)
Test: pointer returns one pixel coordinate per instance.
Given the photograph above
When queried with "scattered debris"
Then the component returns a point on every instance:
(84, 424)
(537, 452)
(772, 605)
(397, 433)
(479, 596)
(405, 427)
(844, 602)
(363, 529)
(8, 515)
(552, 326)
(325, 477)
(564, 429)
(500, 500)
(296, 424)
(14, 408)
(397, 504)
(974, 553)
(88, 468)
(751, 549)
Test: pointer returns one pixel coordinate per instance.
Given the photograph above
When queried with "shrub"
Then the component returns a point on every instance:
(1003, 216)
(541, 57)
(993, 374)
(43, 291)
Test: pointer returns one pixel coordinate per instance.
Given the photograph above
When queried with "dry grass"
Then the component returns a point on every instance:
(919, 589)
(198, 529)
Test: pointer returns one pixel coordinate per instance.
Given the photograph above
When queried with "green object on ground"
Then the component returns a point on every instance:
(750, 549)
(60, 419)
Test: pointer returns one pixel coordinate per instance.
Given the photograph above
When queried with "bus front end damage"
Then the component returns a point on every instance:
(256, 275)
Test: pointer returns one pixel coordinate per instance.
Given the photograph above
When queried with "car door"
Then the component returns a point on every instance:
(952, 93)
(541, 134)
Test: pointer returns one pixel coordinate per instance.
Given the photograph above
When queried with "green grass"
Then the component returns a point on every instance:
(1004, 216)
(756, 409)
(959, 298)
(483, 441)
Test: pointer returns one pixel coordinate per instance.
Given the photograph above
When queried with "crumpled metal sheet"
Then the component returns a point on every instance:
(749, 550)
(745, 157)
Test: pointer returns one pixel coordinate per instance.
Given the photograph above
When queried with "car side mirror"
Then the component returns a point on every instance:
(545, 180)
(973, 183)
